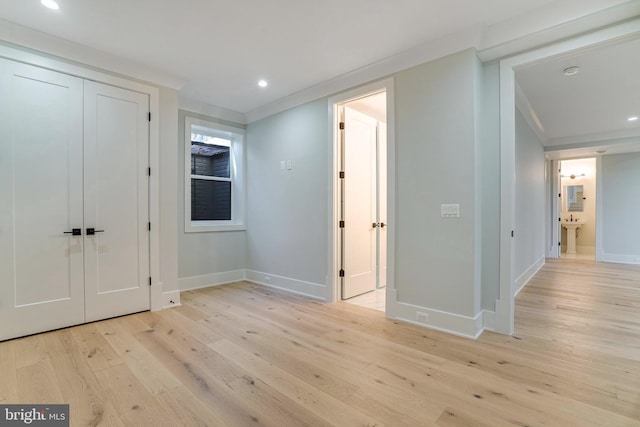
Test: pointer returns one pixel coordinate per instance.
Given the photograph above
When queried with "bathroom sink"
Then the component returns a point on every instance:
(572, 227)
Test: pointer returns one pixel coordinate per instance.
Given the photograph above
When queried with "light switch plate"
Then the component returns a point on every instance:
(450, 211)
(289, 165)
(282, 165)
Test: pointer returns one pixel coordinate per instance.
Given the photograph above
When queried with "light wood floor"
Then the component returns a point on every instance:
(245, 355)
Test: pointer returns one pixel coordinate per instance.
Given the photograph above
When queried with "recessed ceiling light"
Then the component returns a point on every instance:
(571, 71)
(50, 4)
(601, 151)
(632, 118)
(263, 83)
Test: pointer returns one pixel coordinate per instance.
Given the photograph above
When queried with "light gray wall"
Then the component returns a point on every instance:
(204, 253)
(490, 185)
(529, 238)
(287, 209)
(620, 175)
(435, 151)
(168, 190)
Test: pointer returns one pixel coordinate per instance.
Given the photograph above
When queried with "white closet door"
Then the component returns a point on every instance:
(41, 271)
(116, 204)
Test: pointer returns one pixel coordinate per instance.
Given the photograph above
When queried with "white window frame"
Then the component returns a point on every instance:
(237, 177)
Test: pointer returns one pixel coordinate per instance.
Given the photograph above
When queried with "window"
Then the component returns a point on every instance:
(214, 176)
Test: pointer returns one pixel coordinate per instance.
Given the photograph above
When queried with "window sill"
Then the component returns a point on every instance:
(191, 228)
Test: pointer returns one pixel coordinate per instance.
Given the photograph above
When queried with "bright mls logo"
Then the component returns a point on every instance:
(34, 415)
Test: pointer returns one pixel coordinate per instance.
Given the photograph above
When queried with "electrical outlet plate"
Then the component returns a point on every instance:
(422, 317)
(450, 211)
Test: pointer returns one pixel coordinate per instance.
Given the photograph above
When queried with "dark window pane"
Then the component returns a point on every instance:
(210, 200)
(210, 160)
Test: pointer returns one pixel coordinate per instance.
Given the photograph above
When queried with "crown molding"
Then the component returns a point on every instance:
(211, 110)
(22, 37)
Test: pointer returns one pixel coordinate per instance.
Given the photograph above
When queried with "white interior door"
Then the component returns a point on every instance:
(116, 157)
(359, 203)
(41, 270)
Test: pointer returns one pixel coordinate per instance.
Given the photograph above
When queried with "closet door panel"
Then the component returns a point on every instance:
(41, 184)
(116, 201)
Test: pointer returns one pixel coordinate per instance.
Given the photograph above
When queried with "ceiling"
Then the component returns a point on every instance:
(220, 49)
(589, 108)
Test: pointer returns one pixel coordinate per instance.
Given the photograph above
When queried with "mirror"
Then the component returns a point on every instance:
(574, 198)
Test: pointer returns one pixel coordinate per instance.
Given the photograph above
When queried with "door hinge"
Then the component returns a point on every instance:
(341, 125)
(149, 116)
(512, 233)
(149, 226)
(559, 195)
(341, 273)
(341, 224)
(559, 244)
(341, 174)
(149, 280)
(559, 219)
(149, 171)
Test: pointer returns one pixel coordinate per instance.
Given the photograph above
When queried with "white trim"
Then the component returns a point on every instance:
(599, 208)
(333, 250)
(489, 320)
(410, 58)
(31, 39)
(299, 287)
(529, 113)
(505, 305)
(621, 135)
(553, 182)
(620, 258)
(238, 177)
(492, 42)
(213, 279)
(451, 323)
(524, 278)
(211, 110)
(171, 299)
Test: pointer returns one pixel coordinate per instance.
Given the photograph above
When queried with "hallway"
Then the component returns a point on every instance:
(586, 310)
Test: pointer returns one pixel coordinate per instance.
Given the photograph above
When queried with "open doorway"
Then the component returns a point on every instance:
(362, 214)
(577, 209)
(589, 109)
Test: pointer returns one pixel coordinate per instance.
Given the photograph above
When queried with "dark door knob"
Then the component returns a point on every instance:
(74, 232)
(93, 231)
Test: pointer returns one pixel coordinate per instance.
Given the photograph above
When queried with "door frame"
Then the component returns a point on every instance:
(505, 305)
(553, 177)
(333, 237)
(158, 299)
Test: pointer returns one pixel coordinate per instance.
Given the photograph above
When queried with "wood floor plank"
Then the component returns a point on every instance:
(88, 403)
(247, 355)
(9, 382)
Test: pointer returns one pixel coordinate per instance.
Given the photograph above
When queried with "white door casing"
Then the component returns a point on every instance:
(41, 268)
(116, 141)
(359, 202)
(382, 204)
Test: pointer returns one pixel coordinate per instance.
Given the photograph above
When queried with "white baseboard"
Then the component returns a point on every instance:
(300, 287)
(524, 278)
(213, 279)
(620, 259)
(171, 299)
(451, 323)
(489, 320)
